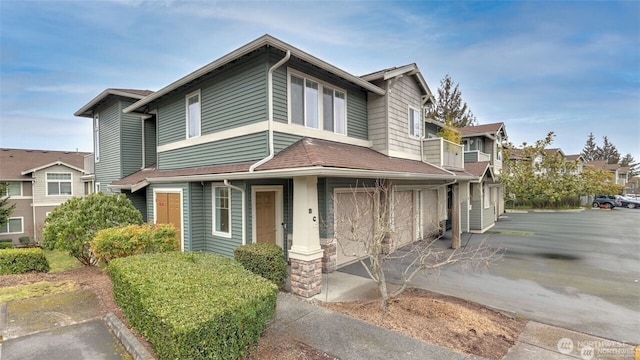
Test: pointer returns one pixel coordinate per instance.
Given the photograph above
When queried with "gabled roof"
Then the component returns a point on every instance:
(16, 164)
(265, 40)
(307, 156)
(602, 164)
(489, 130)
(410, 69)
(86, 110)
(479, 169)
(555, 151)
(574, 157)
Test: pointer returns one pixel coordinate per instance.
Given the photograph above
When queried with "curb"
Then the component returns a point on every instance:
(128, 340)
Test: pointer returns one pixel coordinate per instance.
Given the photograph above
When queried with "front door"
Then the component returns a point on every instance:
(169, 210)
(266, 217)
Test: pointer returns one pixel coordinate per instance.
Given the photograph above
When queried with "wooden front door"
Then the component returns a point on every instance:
(266, 217)
(169, 210)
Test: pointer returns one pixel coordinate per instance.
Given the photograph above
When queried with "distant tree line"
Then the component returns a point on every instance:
(607, 152)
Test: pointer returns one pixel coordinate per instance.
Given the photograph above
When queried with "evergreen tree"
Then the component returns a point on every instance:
(5, 208)
(629, 161)
(608, 152)
(449, 107)
(590, 150)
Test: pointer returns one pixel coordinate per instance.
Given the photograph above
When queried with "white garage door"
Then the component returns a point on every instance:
(404, 219)
(430, 218)
(353, 220)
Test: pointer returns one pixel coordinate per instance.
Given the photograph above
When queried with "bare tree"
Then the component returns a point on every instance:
(374, 225)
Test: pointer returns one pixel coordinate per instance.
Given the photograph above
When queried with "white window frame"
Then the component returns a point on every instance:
(21, 218)
(70, 181)
(96, 137)
(214, 210)
(411, 112)
(320, 102)
(9, 183)
(187, 113)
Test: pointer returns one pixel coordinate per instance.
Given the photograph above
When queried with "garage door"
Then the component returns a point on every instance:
(353, 219)
(404, 219)
(430, 218)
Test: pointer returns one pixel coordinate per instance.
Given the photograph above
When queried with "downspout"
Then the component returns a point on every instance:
(270, 106)
(33, 207)
(244, 215)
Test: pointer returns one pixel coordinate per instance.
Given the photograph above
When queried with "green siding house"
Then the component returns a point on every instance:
(269, 143)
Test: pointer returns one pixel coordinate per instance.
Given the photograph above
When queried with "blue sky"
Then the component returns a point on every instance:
(569, 67)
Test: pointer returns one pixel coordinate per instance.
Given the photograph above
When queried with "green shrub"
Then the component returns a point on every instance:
(193, 305)
(266, 260)
(6, 244)
(130, 240)
(72, 225)
(20, 261)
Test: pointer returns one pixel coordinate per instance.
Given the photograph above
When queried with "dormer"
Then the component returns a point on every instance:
(484, 143)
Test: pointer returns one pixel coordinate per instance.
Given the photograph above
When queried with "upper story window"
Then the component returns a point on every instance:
(58, 184)
(96, 137)
(317, 105)
(222, 211)
(14, 188)
(473, 144)
(193, 114)
(415, 122)
(13, 226)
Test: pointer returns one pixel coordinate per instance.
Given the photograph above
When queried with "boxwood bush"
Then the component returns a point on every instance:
(130, 240)
(266, 260)
(20, 261)
(193, 305)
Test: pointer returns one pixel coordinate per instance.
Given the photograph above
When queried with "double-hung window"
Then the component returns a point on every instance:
(13, 226)
(317, 105)
(222, 211)
(14, 188)
(193, 114)
(58, 184)
(415, 122)
(96, 137)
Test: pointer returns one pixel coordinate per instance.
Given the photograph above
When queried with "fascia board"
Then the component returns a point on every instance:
(84, 111)
(252, 46)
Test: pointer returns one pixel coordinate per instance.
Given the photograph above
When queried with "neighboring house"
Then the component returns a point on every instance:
(38, 181)
(620, 173)
(267, 144)
(579, 159)
(483, 158)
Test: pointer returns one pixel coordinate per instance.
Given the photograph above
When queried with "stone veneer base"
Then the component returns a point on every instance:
(306, 277)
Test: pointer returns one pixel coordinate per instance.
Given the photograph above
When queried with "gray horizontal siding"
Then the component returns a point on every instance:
(470, 156)
(282, 141)
(150, 142)
(131, 141)
(475, 215)
(197, 211)
(108, 169)
(231, 97)
(239, 149)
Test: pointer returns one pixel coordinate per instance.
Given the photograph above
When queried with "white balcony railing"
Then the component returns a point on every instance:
(443, 153)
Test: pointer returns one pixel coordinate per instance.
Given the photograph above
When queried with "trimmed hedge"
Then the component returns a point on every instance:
(20, 261)
(193, 305)
(266, 260)
(6, 244)
(130, 240)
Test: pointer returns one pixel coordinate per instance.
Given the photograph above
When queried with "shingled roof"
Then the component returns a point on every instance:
(481, 129)
(307, 155)
(13, 162)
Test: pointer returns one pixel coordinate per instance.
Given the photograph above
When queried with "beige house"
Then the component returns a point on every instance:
(38, 181)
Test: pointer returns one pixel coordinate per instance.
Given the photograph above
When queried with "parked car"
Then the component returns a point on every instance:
(628, 202)
(606, 201)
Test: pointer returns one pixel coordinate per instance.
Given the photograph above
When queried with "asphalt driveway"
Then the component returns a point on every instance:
(576, 270)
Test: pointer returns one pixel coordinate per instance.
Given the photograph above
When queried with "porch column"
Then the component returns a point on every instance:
(455, 217)
(305, 253)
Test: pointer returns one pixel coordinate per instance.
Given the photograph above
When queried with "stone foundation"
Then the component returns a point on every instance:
(329, 257)
(306, 277)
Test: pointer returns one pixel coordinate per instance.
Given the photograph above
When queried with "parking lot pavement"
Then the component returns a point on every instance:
(575, 270)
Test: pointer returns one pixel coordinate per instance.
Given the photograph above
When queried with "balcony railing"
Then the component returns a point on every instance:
(443, 153)
(476, 156)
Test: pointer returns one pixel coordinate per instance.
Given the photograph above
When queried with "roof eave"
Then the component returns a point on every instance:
(252, 46)
(29, 171)
(85, 111)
